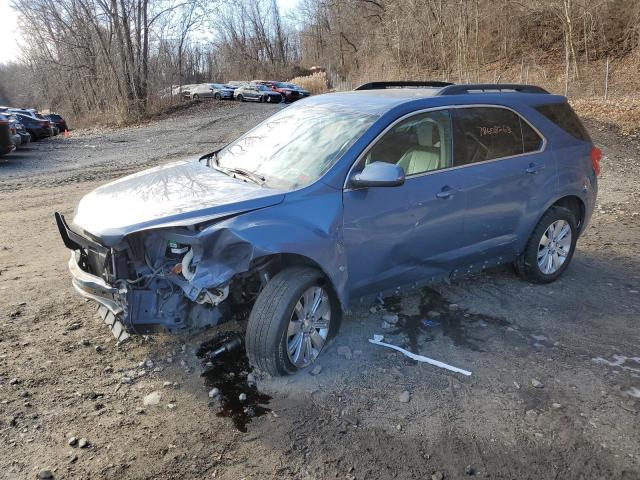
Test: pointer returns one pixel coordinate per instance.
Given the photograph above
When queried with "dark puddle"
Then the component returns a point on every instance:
(228, 372)
(435, 314)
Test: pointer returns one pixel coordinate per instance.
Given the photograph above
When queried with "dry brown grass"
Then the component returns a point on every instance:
(623, 112)
(315, 83)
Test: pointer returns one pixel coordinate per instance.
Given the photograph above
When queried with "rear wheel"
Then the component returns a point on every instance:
(293, 318)
(550, 247)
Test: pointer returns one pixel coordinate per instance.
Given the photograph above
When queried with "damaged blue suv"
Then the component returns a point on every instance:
(338, 197)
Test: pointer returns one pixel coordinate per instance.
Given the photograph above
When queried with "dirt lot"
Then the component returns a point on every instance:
(62, 375)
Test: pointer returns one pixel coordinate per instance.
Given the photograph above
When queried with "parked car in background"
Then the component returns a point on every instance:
(234, 84)
(184, 91)
(289, 91)
(221, 91)
(6, 145)
(210, 90)
(25, 137)
(38, 128)
(256, 93)
(58, 120)
(29, 112)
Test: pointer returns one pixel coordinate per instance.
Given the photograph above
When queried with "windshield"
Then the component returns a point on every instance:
(296, 146)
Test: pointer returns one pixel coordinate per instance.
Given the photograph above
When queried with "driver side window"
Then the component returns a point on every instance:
(419, 144)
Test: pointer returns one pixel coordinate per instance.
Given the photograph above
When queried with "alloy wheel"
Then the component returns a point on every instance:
(309, 326)
(554, 247)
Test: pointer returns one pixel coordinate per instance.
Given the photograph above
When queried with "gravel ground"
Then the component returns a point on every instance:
(556, 368)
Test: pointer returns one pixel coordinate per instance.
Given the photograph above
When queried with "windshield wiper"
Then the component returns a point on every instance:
(254, 177)
(241, 172)
(236, 171)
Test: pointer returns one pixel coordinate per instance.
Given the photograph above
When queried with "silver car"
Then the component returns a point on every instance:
(210, 90)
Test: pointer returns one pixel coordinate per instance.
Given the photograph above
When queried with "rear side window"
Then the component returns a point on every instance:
(487, 133)
(564, 117)
(531, 141)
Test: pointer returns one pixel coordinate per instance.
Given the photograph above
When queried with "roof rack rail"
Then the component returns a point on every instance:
(402, 84)
(490, 87)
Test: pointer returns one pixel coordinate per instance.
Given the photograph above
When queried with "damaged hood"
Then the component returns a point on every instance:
(176, 194)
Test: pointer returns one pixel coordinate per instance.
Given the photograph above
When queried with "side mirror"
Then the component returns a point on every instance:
(378, 174)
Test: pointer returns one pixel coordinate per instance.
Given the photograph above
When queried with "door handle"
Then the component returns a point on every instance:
(445, 193)
(534, 168)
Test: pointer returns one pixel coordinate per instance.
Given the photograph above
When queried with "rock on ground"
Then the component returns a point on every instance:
(152, 399)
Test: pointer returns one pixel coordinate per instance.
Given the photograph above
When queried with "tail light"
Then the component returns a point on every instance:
(13, 131)
(596, 156)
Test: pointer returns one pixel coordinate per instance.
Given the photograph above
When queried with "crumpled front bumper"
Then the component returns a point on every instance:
(108, 297)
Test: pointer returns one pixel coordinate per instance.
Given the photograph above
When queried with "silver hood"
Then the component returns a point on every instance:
(176, 194)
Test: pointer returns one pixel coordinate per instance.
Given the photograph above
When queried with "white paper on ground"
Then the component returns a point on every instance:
(377, 340)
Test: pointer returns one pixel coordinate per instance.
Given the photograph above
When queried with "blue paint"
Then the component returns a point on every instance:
(366, 240)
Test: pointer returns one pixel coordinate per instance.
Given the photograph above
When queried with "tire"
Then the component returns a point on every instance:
(240, 98)
(261, 99)
(217, 96)
(272, 330)
(195, 97)
(536, 264)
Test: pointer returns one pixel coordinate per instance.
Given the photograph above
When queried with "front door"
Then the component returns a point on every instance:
(400, 235)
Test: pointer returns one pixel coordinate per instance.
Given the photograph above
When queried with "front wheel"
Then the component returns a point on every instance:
(240, 98)
(550, 247)
(217, 96)
(195, 97)
(294, 316)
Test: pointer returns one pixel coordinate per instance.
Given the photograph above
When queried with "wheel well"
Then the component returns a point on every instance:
(273, 264)
(281, 261)
(575, 205)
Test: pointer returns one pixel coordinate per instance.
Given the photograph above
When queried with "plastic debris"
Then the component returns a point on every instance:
(378, 340)
(430, 323)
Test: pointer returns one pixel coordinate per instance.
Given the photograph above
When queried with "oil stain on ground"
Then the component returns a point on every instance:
(228, 373)
(435, 314)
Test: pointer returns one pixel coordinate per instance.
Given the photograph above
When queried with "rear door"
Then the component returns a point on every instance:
(508, 178)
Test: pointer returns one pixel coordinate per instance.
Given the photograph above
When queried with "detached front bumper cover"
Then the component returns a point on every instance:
(96, 289)
(91, 286)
